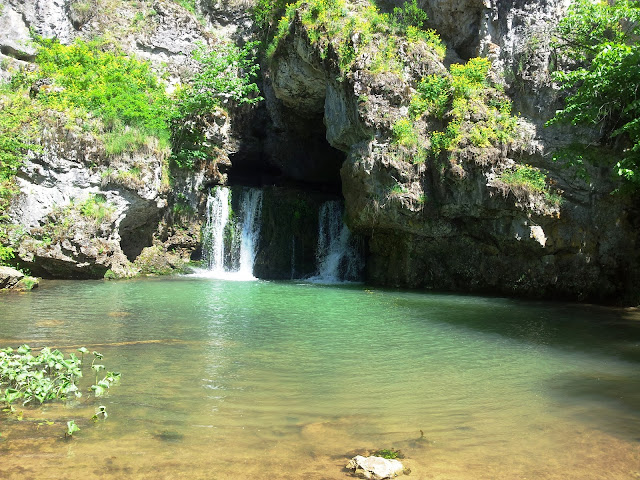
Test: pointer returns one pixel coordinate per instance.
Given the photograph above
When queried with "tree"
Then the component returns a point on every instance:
(603, 40)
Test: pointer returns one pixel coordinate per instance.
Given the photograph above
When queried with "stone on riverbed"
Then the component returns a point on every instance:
(375, 468)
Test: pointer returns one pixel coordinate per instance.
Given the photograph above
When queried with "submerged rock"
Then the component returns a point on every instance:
(376, 468)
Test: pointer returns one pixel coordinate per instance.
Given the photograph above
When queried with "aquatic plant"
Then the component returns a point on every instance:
(49, 376)
(71, 428)
(388, 453)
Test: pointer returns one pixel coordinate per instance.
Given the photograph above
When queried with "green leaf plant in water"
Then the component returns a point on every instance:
(71, 428)
(49, 376)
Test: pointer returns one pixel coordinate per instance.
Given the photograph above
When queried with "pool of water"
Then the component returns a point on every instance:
(269, 380)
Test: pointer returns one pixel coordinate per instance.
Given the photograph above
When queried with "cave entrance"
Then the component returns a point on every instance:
(295, 154)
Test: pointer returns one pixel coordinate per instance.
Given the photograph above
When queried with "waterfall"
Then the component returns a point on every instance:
(217, 217)
(251, 209)
(337, 257)
(221, 254)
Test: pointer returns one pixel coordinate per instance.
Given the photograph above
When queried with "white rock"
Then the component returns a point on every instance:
(375, 468)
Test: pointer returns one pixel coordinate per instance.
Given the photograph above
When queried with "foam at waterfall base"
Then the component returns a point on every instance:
(222, 275)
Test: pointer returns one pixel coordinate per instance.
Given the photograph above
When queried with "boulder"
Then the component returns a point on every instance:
(9, 277)
(375, 468)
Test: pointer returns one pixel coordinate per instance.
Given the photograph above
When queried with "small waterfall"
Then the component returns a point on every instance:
(336, 255)
(214, 228)
(222, 255)
(251, 223)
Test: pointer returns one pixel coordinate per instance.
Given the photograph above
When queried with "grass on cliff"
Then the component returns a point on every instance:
(525, 178)
(472, 111)
(119, 99)
(464, 93)
(92, 79)
(349, 28)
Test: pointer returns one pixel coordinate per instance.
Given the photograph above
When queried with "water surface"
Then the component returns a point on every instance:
(233, 380)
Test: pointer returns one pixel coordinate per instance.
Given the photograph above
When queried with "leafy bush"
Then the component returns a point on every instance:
(409, 16)
(18, 120)
(119, 89)
(467, 91)
(433, 94)
(6, 254)
(603, 39)
(468, 78)
(226, 76)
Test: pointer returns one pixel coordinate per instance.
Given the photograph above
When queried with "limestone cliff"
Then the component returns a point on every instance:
(437, 218)
(451, 222)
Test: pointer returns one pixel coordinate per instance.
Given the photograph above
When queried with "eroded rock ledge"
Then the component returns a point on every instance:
(452, 225)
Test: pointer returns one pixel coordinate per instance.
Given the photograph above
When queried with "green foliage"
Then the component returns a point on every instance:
(265, 11)
(27, 283)
(119, 89)
(404, 132)
(409, 16)
(525, 176)
(432, 97)
(529, 179)
(18, 121)
(6, 254)
(225, 75)
(349, 28)
(407, 142)
(96, 208)
(397, 189)
(388, 453)
(47, 377)
(468, 78)
(469, 93)
(603, 90)
(189, 5)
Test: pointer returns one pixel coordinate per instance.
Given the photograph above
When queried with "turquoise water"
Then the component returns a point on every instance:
(229, 380)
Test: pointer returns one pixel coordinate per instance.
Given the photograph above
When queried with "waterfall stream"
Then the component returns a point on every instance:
(214, 228)
(222, 255)
(251, 223)
(337, 257)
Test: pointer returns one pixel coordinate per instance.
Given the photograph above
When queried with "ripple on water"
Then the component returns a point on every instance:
(279, 380)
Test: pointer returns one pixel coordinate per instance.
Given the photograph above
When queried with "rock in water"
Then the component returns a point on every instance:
(9, 277)
(376, 468)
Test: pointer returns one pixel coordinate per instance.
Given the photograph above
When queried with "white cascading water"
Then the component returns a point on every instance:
(213, 230)
(337, 259)
(213, 235)
(251, 223)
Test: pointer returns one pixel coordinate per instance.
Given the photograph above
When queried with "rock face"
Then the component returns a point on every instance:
(441, 223)
(375, 468)
(9, 277)
(455, 226)
(58, 240)
(12, 279)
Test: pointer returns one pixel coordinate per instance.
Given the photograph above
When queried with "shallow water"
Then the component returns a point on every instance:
(234, 380)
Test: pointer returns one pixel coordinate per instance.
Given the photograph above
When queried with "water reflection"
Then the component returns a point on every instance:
(268, 380)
